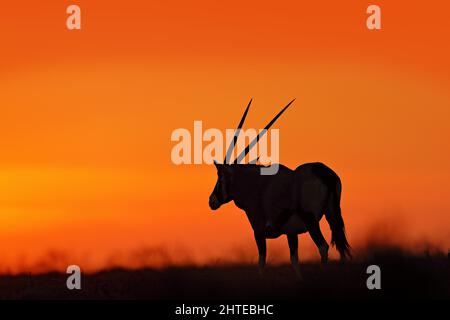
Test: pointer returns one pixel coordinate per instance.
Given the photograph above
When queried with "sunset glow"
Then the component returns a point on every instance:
(86, 119)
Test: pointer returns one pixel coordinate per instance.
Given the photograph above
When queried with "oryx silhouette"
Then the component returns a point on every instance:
(288, 202)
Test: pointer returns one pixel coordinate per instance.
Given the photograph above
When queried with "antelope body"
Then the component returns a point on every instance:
(289, 202)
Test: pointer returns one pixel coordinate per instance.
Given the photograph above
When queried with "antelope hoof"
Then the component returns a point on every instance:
(261, 272)
(298, 273)
(324, 253)
(261, 268)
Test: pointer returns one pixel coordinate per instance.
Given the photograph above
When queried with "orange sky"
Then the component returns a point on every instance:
(86, 119)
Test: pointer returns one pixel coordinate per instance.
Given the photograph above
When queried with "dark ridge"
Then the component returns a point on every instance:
(403, 276)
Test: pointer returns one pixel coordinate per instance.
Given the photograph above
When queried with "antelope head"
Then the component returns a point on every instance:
(222, 192)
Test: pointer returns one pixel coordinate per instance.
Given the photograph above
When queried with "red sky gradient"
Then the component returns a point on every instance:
(86, 118)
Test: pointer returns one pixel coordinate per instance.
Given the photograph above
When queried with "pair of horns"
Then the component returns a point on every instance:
(242, 155)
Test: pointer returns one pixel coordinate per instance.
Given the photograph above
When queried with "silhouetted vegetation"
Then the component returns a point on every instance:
(403, 275)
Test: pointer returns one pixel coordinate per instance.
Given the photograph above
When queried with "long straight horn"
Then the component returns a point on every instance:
(261, 134)
(236, 134)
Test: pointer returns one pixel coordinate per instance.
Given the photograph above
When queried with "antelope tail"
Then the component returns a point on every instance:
(334, 218)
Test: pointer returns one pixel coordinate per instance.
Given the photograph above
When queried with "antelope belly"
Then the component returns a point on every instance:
(294, 225)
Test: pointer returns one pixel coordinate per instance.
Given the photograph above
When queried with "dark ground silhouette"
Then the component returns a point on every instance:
(402, 276)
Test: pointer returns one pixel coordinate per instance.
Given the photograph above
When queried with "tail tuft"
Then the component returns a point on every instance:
(339, 239)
